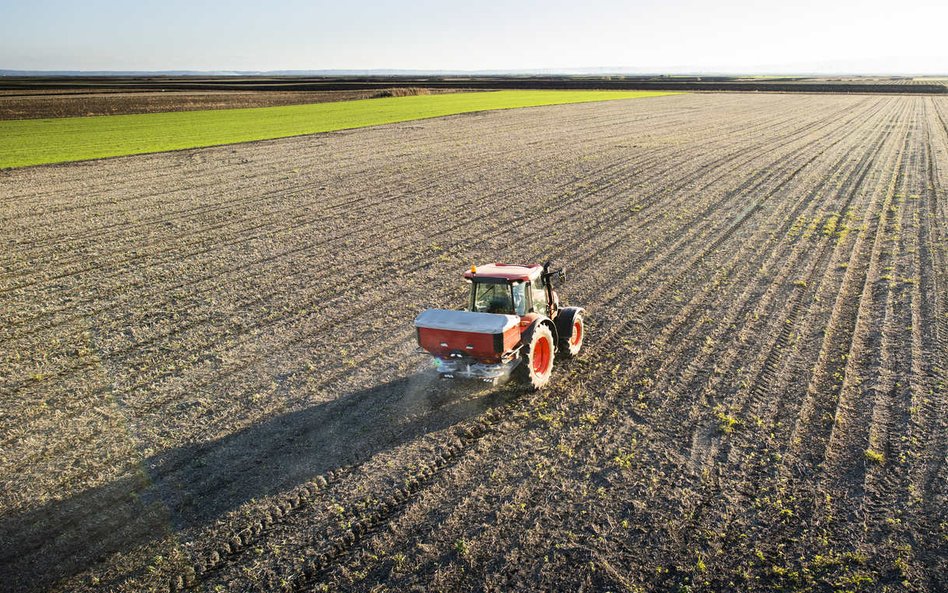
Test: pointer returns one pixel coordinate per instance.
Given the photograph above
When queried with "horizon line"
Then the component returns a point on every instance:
(598, 71)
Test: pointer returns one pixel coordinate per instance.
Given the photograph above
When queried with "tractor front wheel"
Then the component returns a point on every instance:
(537, 364)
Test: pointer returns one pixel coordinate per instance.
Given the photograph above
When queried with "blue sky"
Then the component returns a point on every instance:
(675, 35)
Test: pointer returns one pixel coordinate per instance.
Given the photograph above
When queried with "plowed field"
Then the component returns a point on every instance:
(208, 379)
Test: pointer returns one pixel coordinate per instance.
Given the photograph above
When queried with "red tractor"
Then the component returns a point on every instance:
(513, 325)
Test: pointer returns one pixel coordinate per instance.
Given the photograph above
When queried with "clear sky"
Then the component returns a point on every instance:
(651, 35)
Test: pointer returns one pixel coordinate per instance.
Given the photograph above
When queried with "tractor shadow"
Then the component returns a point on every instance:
(181, 490)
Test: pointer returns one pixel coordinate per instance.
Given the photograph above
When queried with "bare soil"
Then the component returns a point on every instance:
(208, 379)
(36, 104)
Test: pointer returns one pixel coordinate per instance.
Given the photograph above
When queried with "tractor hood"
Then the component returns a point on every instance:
(466, 321)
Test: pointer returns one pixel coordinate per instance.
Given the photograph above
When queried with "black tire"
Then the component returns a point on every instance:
(571, 338)
(536, 366)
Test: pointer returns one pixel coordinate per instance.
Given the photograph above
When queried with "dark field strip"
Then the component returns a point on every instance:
(208, 382)
(78, 103)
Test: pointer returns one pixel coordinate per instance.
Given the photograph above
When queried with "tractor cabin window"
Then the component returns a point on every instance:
(492, 298)
(507, 299)
(521, 298)
(539, 298)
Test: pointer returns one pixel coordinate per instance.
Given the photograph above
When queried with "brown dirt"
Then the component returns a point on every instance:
(208, 374)
(72, 103)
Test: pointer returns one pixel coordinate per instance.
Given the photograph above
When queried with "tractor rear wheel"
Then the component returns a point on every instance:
(571, 342)
(537, 364)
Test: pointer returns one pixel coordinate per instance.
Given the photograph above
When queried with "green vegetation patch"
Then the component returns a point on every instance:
(43, 141)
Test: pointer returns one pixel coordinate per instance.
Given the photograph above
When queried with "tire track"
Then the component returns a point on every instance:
(776, 360)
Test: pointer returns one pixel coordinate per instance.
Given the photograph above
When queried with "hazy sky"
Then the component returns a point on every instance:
(827, 35)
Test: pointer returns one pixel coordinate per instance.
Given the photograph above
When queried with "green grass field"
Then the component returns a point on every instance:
(44, 141)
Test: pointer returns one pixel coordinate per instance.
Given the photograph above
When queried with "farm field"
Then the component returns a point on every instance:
(44, 141)
(208, 376)
(39, 104)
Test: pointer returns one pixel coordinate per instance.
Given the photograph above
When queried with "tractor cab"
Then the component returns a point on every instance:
(512, 290)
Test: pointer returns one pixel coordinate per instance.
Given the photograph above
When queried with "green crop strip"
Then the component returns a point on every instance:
(44, 141)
